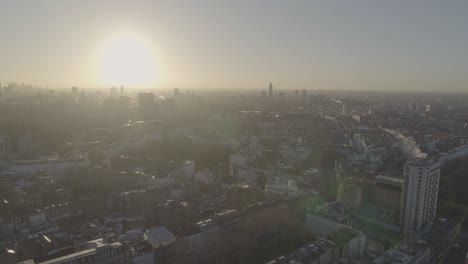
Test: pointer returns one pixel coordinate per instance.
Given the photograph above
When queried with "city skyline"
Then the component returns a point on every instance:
(233, 132)
(320, 45)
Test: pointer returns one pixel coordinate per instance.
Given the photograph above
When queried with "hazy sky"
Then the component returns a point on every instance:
(326, 44)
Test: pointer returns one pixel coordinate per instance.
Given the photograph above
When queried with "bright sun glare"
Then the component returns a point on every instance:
(127, 59)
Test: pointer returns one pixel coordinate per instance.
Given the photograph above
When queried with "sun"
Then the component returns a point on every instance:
(126, 59)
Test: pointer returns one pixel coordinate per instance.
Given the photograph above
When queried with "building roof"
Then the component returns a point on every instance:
(206, 224)
(159, 235)
(142, 247)
(81, 254)
(343, 235)
(305, 254)
(421, 162)
(437, 232)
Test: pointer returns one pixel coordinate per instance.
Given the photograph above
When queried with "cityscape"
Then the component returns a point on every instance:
(124, 168)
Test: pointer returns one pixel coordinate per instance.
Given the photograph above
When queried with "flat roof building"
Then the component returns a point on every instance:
(388, 192)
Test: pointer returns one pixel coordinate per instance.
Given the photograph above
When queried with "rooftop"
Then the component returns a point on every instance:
(343, 235)
(305, 254)
(80, 254)
(206, 224)
(159, 235)
(422, 162)
(437, 231)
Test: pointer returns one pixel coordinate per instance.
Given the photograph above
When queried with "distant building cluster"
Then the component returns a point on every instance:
(175, 176)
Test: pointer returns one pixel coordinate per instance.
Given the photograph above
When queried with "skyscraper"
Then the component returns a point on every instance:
(270, 90)
(420, 189)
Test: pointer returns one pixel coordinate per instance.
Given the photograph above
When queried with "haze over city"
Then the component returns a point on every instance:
(233, 132)
(320, 45)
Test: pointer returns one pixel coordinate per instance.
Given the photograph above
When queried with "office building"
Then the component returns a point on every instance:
(388, 192)
(350, 193)
(420, 189)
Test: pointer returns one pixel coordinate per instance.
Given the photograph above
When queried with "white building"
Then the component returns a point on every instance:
(421, 185)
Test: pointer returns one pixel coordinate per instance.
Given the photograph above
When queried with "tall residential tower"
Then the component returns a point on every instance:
(420, 189)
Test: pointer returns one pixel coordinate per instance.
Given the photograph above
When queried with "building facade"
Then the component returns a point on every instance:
(388, 192)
